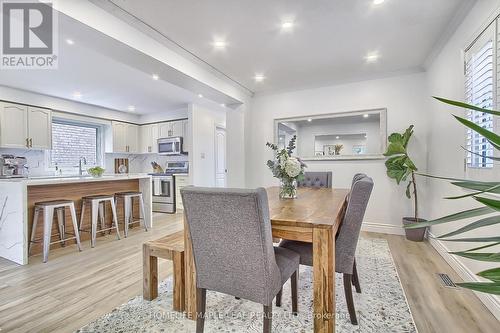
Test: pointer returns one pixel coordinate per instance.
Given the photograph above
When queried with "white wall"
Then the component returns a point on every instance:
(405, 99)
(445, 78)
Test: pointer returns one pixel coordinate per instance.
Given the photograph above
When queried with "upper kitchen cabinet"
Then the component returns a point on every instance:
(25, 127)
(148, 139)
(186, 145)
(171, 129)
(125, 137)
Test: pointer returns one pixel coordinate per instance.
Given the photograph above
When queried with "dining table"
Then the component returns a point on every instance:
(313, 217)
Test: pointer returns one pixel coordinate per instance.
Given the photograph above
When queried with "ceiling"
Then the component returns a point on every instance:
(108, 73)
(328, 43)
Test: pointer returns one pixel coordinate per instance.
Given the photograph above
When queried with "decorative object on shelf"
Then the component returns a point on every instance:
(400, 167)
(121, 165)
(96, 171)
(486, 193)
(338, 148)
(286, 168)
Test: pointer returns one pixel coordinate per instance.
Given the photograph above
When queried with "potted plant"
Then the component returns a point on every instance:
(286, 168)
(401, 168)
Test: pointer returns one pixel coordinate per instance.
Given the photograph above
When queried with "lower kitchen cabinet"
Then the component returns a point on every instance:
(180, 182)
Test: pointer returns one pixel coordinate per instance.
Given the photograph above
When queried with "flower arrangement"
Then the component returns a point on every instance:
(286, 168)
(338, 148)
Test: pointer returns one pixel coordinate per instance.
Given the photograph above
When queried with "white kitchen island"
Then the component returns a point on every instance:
(17, 197)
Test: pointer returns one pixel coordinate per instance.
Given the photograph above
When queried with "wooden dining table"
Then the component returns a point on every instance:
(313, 217)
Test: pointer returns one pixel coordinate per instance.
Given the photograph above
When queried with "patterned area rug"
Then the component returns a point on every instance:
(381, 307)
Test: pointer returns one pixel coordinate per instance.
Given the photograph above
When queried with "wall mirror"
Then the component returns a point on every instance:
(339, 136)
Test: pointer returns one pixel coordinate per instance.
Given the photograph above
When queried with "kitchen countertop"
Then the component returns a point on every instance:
(50, 180)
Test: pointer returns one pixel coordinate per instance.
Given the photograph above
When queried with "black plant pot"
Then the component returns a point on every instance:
(415, 235)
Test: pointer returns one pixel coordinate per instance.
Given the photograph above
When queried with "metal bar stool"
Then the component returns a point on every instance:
(128, 207)
(98, 211)
(48, 208)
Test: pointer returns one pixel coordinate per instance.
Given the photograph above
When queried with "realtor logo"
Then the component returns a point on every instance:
(28, 32)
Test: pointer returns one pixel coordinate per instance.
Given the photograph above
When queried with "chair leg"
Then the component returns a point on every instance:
(61, 221)
(102, 220)
(349, 299)
(126, 209)
(95, 208)
(278, 297)
(48, 216)
(294, 283)
(201, 300)
(75, 226)
(115, 218)
(143, 213)
(268, 318)
(355, 279)
(82, 213)
(33, 229)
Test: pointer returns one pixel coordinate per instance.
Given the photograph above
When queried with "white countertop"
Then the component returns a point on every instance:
(51, 180)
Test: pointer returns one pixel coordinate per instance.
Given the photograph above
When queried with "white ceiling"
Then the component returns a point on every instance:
(110, 74)
(327, 45)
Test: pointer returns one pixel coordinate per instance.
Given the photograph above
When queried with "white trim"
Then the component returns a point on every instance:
(382, 228)
(490, 301)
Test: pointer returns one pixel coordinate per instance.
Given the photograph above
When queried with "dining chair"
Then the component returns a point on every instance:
(233, 252)
(346, 241)
(316, 179)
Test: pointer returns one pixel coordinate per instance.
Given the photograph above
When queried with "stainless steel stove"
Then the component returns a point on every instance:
(164, 187)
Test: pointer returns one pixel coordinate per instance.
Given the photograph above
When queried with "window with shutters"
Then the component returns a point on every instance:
(480, 90)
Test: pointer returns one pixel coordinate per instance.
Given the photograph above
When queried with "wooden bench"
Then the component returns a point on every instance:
(170, 247)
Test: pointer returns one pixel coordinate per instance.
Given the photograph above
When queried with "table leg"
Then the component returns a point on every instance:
(190, 275)
(178, 267)
(150, 274)
(324, 280)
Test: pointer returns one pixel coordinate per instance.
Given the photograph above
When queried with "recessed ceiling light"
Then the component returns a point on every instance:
(220, 44)
(77, 95)
(337, 137)
(378, 2)
(309, 119)
(287, 25)
(259, 77)
(200, 95)
(131, 108)
(372, 57)
(70, 41)
(156, 77)
(366, 115)
(223, 105)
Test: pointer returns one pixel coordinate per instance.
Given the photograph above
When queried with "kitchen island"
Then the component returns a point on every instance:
(18, 196)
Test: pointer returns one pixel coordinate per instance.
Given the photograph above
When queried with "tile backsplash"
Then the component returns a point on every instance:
(138, 163)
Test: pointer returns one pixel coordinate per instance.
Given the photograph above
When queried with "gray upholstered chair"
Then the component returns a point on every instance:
(233, 252)
(346, 240)
(316, 179)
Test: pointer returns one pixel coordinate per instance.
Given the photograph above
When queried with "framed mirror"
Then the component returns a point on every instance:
(339, 136)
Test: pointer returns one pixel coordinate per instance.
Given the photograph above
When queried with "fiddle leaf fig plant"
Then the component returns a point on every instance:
(485, 193)
(399, 164)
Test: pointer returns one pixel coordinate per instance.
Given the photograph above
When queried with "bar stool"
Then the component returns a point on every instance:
(48, 208)
(98, 211)
(128, 207)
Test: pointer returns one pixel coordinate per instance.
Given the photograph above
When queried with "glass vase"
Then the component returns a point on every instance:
(288, 189)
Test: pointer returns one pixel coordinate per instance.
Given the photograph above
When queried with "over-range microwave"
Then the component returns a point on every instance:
(170, 146)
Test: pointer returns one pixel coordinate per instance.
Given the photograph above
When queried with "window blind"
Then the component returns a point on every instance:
(480, 90)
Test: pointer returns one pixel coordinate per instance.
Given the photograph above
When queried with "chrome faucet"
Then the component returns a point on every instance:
(80, 170)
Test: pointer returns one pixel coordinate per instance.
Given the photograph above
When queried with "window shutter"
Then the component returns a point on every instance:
(480, 90)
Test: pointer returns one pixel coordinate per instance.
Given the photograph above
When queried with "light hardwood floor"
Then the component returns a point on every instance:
(74, 288)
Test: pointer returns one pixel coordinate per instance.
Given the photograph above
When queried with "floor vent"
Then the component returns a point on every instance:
(446, 280)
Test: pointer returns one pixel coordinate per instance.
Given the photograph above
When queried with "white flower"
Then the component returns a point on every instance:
(293, 167)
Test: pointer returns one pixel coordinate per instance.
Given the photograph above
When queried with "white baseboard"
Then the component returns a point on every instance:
(383, 228)
(490, 301)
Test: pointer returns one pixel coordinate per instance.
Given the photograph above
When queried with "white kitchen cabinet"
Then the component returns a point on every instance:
(186, 140)
(40, 128)
(180, 182)
(125, 138)
(171, 129)
(148, 139)
(25, 127)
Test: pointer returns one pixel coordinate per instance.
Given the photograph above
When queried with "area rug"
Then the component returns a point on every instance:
(381, 307)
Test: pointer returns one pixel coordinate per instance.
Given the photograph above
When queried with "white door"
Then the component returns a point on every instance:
(119, 137)
(165, 130)
(40, 128)
(13, 126)
(220, 157)
(177, 128)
